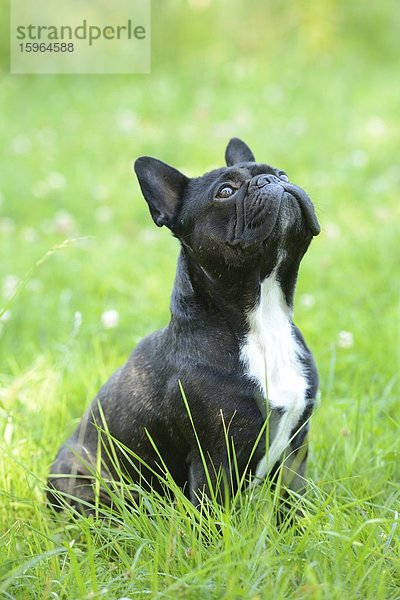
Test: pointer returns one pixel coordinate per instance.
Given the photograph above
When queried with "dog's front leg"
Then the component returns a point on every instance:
(294, 468)
(209, 478)
(295, 461)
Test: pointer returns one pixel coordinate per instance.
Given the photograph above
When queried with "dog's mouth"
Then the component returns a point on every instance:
(255, 217)
(306, 206)
(256, 220)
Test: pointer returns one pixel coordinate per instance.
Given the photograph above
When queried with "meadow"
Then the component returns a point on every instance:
(84, 274)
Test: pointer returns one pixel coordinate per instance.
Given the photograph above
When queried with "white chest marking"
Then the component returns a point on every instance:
(270, 355)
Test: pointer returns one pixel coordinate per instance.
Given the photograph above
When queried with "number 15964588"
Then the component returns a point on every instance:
(43, 47)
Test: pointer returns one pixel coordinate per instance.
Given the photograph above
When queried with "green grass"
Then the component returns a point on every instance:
(313, 88)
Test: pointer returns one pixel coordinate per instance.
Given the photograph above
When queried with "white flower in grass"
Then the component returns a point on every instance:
(77, 322)
(10, 285)
(345, 339)
(383, 213)
(332, 231)
(6, 316)
(29, 234)
(110, 318)
(35, 286)
(63, 222)
(100, 192)
(3, 319)
(359, 158)
(56, 181)
(104, 214)
(7, 225)
(21, 144)
(298, 126)
(126, 121)
(148, 235)
(376, 126)
(307, 300)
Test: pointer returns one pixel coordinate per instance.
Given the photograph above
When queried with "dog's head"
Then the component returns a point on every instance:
(235, 215)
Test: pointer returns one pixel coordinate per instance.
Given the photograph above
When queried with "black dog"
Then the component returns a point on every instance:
(231, 343)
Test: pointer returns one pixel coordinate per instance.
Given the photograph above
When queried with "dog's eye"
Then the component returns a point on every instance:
(282, 175)
(225, 191)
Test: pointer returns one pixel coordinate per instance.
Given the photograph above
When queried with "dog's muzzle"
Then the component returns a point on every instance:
(296, 192)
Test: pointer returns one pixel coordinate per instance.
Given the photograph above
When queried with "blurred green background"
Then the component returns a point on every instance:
(313, 88)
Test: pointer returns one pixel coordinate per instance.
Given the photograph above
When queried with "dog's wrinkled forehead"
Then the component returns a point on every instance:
(238, 173)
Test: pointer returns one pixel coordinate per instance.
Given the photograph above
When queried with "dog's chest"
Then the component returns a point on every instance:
(271, 355)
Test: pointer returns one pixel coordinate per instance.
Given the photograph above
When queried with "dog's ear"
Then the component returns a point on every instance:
(162, 187)
(238, 152)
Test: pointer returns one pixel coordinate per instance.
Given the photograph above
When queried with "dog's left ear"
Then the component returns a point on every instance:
(162, 187)
(238, 152)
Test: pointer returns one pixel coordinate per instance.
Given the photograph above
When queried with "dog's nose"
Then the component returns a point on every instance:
(267, 179)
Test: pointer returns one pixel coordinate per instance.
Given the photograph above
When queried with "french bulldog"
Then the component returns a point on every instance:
(231, 371)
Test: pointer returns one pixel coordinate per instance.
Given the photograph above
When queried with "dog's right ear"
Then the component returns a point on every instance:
(162, 187)
(237, 152)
